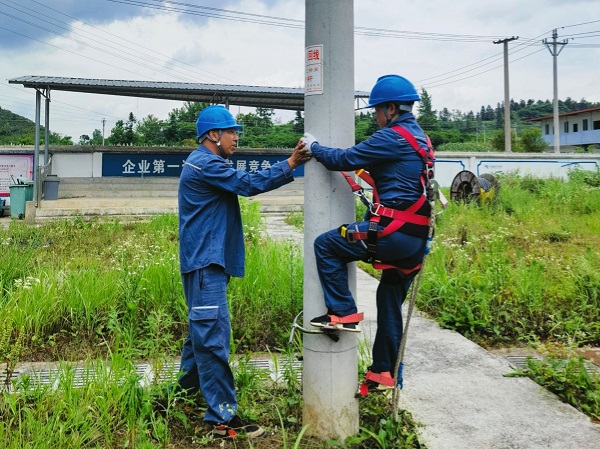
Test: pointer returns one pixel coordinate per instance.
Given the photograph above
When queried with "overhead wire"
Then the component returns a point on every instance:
(479, 64)
(95, 47)
(198, 10)
(149, 52)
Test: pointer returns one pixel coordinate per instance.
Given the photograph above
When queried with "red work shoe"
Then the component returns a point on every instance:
(347, 323)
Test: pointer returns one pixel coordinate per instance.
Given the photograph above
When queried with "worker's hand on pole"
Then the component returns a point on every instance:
(299, 156)
(308, 140)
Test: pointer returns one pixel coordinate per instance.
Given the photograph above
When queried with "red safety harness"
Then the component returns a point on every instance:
(417, 216)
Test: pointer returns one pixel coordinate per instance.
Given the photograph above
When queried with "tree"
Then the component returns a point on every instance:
(298, 126)
(426, 115)
(96, 137)
(117, 134)
(129, 134)
(150, 131)
(84, 139)
(445, 115)
(498, 141)
(532, 141)
(180, 127)
(265, 115)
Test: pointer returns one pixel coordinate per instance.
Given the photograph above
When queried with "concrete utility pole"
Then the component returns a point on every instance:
(103, 123)
(507, 129)
(330, 376)
(555, 48)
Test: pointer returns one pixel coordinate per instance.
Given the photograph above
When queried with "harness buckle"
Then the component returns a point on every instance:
(350, 236)
(363, 198)
(375, 208)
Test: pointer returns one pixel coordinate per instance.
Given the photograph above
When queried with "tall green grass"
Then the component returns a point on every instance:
(521, 270)
(77, 289)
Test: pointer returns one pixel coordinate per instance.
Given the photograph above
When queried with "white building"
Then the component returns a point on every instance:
(580, 128)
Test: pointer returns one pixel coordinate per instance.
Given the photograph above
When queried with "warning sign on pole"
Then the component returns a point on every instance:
(313, 65)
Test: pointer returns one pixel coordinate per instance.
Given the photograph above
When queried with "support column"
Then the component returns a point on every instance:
(36, 142)
(47, 130)
(330, 376)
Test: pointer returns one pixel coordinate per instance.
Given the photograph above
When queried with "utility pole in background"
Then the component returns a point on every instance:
(103, 123)
(555, 48)
(330, 369)
(507, 128)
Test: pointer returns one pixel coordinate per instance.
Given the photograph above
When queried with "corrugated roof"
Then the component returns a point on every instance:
(564, 114)
(254, 96)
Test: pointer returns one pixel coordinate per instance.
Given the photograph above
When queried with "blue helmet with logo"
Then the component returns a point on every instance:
(392, 89)
(215, 117)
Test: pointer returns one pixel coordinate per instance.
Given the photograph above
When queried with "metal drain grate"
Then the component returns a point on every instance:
(520, 362)
(81, 376)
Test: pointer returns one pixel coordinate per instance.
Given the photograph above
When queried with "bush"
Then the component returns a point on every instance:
(473, 147)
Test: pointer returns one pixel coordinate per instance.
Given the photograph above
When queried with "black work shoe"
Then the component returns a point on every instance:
(376, 387)
(325, 321)
(236, 426)
(320, 321)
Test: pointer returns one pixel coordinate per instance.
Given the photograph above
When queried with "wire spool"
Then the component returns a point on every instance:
(467, 187)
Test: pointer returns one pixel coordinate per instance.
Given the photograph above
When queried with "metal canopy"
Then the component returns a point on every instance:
(287, 98)
(253, 96)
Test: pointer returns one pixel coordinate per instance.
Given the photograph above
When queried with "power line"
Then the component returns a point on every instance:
(481, 73)
(153, 52)
(295, 23)
(68, 104)
(579, 24)
(143, 64)
(72, 52)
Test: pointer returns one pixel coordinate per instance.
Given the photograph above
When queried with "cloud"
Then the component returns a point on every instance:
(116, 41)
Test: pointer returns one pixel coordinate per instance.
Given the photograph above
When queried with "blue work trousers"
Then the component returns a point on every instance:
(205, 355)
(333, 252)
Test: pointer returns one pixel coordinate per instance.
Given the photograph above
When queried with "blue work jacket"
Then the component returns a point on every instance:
(393, 164)
(210, 221)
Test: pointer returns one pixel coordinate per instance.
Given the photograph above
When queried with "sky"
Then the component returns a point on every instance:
(444, 47)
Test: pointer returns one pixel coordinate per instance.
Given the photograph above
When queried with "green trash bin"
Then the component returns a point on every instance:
(19, 195)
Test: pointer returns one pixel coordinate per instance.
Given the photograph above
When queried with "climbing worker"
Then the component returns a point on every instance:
(211, 250)
(394, 231)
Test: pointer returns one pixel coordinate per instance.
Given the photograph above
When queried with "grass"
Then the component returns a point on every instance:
(524, 270)
(569, 379)
(109, 294)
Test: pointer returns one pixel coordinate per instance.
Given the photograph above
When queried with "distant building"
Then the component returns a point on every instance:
(580, 128)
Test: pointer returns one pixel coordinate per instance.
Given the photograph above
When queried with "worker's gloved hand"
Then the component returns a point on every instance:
(308, 140)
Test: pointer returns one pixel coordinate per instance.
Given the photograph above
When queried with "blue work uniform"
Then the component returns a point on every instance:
(396, 169)
(211, 249)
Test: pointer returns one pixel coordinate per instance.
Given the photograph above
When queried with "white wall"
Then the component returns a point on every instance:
(69, 165)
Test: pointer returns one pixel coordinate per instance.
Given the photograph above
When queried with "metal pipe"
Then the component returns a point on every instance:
(36, 143)
(47, 130)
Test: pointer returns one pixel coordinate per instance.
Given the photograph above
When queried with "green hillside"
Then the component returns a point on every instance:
(18, 130)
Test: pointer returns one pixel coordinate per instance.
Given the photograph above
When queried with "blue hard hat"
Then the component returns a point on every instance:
(392, 89)
(215, 117)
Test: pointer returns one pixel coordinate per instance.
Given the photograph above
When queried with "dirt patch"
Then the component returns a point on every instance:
(592, 354)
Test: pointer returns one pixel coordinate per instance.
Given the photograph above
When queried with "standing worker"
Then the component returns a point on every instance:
(211, 251)
(394, 231)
